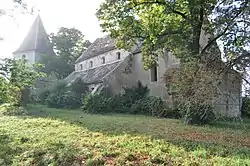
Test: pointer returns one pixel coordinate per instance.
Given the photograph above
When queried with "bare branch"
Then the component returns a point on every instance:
(224, 31)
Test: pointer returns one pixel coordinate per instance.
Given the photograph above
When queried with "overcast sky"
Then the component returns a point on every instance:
(54, 13)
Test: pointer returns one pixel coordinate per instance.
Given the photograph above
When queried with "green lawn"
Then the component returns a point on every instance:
(70, 137)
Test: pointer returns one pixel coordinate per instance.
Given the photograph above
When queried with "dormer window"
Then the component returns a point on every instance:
(118, 54)
(91, 64)
(103, 60)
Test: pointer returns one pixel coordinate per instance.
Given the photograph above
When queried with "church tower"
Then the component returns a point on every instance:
(35, 44)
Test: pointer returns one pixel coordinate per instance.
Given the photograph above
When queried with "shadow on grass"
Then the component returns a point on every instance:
(243, 124)
(170, 130)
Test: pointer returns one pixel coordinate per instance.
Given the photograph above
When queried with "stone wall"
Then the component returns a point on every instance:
(228, 103)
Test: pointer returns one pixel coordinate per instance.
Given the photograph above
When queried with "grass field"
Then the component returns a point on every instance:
(70, 137)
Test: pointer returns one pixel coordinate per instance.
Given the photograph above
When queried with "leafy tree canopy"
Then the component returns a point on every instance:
(19, 74)
(178, 27)
(69, 44)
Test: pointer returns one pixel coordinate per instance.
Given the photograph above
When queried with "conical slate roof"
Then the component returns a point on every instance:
(36, 39)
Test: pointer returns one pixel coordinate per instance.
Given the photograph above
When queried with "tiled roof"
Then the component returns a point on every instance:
(100, 46)
(94, 75)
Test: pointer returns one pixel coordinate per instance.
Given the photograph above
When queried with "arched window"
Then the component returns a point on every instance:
(103, 60)
(91, 64)
(118, 54)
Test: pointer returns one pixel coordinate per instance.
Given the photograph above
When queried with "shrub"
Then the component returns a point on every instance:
(25, 96)
(197, 113)
(11, 110)
(78, 87)
(96, 103)
(246, 106)
(63, 100)
(69, 100)
(42, 96)
(130, 95)
(173, 113)
(153, 106)
(62, 96)
(58, 87)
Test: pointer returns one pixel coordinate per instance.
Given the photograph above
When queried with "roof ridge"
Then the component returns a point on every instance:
(37, 29)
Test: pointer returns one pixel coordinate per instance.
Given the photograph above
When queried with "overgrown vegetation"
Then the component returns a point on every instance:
(189, 30)
(21, 76)
(246, 106)
(134, 100)
(70, 137)
(63, 95)
(11, 110)
(193, 88)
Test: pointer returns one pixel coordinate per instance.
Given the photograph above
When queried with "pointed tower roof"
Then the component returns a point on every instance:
(36, 39)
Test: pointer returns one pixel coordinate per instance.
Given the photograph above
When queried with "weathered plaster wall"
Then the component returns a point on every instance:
(228, 103)
(121, 76)
(131, 70)
(97, 60)
(157, 88)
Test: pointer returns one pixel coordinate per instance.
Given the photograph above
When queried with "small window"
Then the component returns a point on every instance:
(81, 67)
(103, 60)
(91, 64)
(23, 56)
(153, 74)
(118, 55)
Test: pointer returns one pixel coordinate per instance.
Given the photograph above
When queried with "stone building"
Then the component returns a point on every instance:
(102, 64)
(35, 44)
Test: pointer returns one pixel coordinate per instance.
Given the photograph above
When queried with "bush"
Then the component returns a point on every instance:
(69, 100)
(25, 96)
(174, 113)
(11, 110)
(96, 104)
(78, 87)
(62, 96)
(153, 106)
(130, 95)
(43, 96)
(197, 113)
(63, 100)
(246, 106)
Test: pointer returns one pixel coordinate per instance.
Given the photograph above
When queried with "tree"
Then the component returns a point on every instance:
(178, 26)
(69, 44)
(20, 75)
(190, 29)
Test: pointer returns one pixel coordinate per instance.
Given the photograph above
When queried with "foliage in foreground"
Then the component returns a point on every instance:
(22, 76)
(41, 141)
(11, 110)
